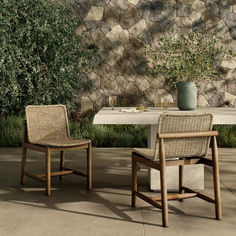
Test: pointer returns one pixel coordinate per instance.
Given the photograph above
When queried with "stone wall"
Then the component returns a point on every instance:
(113, 27)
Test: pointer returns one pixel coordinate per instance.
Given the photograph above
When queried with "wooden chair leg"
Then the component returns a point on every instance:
(23, 164)
(89, 166)
(163, 184)
(48, 172)
(62, 162)
(216, 180)
(181, 180)
(134, 181)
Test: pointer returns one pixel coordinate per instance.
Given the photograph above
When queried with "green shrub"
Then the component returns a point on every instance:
(104, 135)
(227, 135)
(42, 60)
(11, 131)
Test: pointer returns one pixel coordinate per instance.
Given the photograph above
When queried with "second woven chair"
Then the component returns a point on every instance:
(182, 139)
(46, 130)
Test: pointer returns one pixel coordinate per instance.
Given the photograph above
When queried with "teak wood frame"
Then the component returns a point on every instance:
(184, 192)
(46, 178)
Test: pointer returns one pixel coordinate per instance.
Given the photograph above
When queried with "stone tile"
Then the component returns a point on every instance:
(144, 85)
(171, 29)
(109, 85)
(195, 15)
(155, 10)
(232, 45)
(133, 1)
(157, 83)
(95, 13)
(217, 99)
(118, 49)
(184, 22)
(209, 19)
(232, 87)
(146, 36)
(230, 64)
(95, 79)
(82, 7)
(169, 11)
(184, 10)
(110, 16)
(99, 3)
(112, 58)
(80, 29)
(139, 65)
(100, 40)
(150, 94)
(198, 25)
(154, 27)
(138, 28)
(130, 17)
(222, 29)
(86, 104)
(114, 34)
(144, 9)
(199, 6)
(220, 85)
(121, 66)
(105, 27)
(225, 8)
(213, 8)
(124, 36)
(131, 89)
(189, 2)
(184, 31)
(119, 6)
(201, 101)
(230, 21)
(229, 98)
(121, 82)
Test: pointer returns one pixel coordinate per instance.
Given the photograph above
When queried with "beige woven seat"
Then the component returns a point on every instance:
(145, 152)
(182, 139)
(46, 130)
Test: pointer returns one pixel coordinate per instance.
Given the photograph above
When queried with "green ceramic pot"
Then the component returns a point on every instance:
(187, 96)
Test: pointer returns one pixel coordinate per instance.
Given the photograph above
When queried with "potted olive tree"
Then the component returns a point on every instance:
(185, 61)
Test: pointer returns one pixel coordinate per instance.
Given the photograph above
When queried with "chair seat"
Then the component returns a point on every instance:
(150, 154)
(145, 152)
(62, 142)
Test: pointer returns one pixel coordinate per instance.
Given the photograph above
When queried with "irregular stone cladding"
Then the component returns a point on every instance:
(113, 27)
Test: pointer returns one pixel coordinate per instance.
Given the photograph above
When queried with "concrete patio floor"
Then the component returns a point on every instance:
(106, 210)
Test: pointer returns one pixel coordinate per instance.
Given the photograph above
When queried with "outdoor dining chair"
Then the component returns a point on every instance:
(46, 130)
(182, 139)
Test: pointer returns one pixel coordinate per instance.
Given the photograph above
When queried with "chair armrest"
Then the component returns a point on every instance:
(187, 135)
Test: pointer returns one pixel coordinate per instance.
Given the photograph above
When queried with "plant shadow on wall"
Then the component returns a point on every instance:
(186, 60)
(114, 33)
(42, 60)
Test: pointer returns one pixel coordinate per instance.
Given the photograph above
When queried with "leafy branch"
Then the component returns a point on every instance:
(192, 57)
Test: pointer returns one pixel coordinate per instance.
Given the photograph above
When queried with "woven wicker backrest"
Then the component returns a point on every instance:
(175, 122)
(49, 121)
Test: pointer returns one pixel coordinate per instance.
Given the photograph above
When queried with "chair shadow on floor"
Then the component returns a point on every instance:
(74, 190)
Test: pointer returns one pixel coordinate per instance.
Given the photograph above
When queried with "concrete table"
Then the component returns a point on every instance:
(194, 175)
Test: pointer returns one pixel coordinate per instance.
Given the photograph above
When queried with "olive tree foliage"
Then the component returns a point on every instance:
(193, 57)
(42, 60)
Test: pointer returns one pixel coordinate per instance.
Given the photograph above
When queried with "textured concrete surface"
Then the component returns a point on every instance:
(106, 210)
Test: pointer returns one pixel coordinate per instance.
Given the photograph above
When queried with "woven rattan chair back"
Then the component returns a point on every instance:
(45, 122)
(174, 122)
